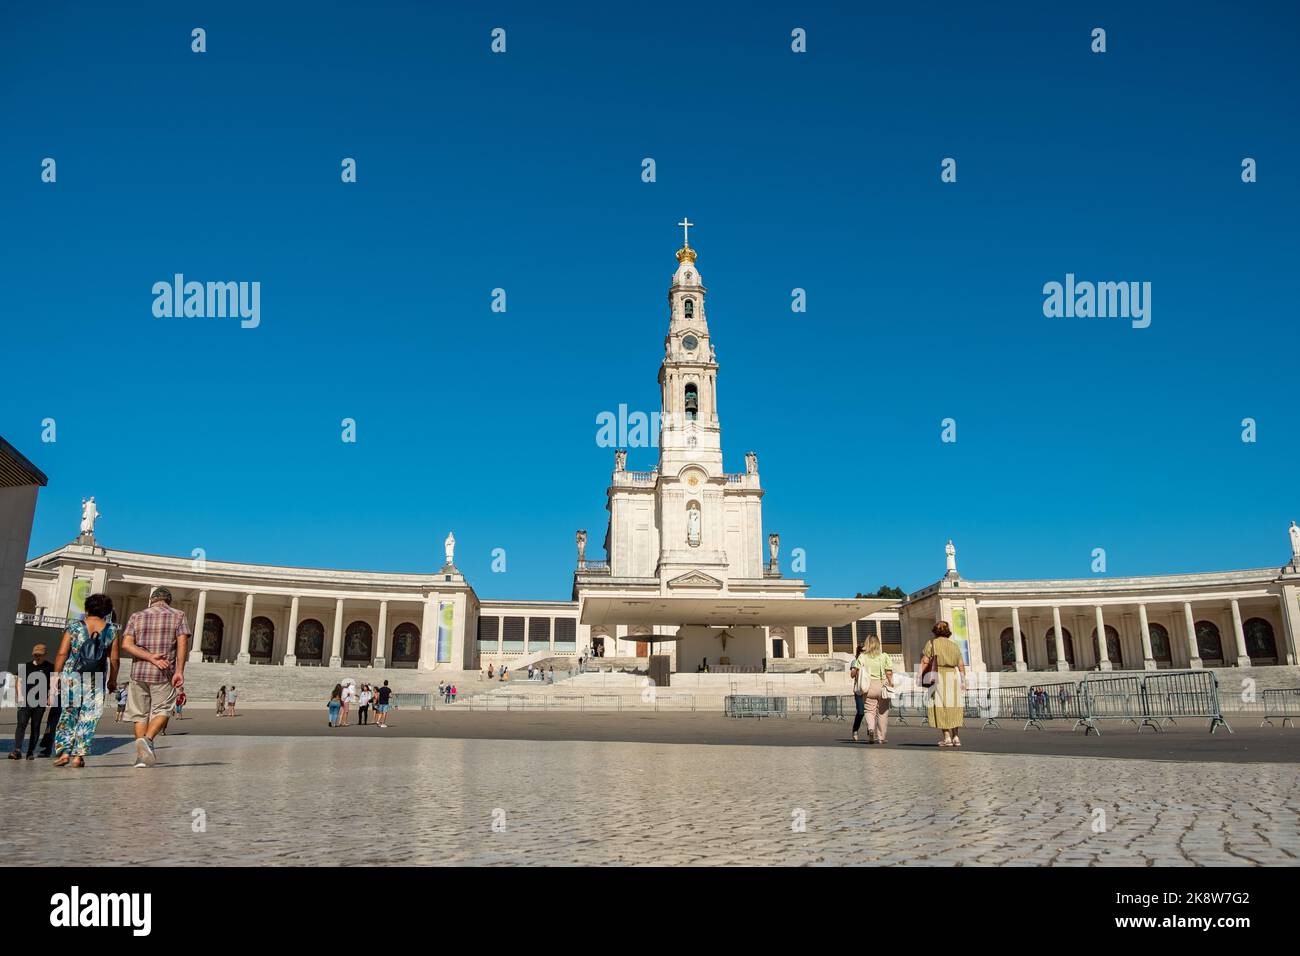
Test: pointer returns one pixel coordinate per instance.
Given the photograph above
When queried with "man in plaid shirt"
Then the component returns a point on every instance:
(158, 638)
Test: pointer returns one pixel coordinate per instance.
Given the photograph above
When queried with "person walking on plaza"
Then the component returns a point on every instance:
(335, 704)
(33, 698)
(855, 673)
(385, 694)
(942, 673)
(158, 638)
(363, 705)
(221, 701)
(451, 696)
(231, 698)
(86, 665)
(442, 690)
(121, 703)
(876, 677)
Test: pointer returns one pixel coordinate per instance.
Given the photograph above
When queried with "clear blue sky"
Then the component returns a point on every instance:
(522, 171)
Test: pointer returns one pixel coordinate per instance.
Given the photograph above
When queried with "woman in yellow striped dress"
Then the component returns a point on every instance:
(946, 705)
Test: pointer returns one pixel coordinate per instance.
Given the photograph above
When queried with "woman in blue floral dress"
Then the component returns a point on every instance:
(86, 669)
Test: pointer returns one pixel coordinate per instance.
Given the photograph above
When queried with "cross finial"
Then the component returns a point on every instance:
(686, 231)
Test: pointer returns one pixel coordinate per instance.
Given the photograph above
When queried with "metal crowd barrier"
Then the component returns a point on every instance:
(748, 705)
(1283, 703)
(1119, 698)
(414, 701)
(1058, 701)
(591, 702)
(908, 703)
(675, 702)
(830, 708)
(1183, 694)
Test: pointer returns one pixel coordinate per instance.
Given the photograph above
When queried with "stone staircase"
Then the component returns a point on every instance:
(275, 684)
(618, 690)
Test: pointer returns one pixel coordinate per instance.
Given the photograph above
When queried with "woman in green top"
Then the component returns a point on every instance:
(875, 676)
(946, 706)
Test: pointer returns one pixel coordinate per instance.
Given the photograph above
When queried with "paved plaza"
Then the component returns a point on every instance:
(358, 797)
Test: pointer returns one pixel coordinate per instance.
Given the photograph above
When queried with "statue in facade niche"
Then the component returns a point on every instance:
(620, 460)
(89, 514)
(693, 527)
(449, 547)
(582, 547)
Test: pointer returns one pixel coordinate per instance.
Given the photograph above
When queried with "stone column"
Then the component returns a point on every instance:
(429, 633)
(336, 643)
(1103, 652)
(1193, 652)
(381, 648)
(1144, 626)
(1243, 656)
(196, 651)
(1061, 663)
(1290, 636)
(245, 629)
(1016, 641)
(291, 645)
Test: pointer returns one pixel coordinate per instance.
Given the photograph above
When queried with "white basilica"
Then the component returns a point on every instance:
(688, 579)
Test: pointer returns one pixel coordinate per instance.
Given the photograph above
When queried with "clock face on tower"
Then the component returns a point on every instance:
(690, 342)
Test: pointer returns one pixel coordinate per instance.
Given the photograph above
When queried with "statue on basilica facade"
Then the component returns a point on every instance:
(751, 463)
(773, 547)
(620, 460)
(1295, 544)
(693, 527)
(89, 514)
(449, 548)
(951, 554)
(582, 547)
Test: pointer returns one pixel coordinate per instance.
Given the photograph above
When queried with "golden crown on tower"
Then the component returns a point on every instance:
(685, 254)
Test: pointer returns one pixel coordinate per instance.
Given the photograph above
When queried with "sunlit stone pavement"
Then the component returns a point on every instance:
(321, 801)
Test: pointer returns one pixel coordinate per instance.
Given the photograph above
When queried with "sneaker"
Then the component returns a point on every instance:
(145, 754)
(15, 755)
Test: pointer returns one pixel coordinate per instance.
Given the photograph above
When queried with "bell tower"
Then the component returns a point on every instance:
(689, 429)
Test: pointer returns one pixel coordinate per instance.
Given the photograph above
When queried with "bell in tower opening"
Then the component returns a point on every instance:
(692, 402)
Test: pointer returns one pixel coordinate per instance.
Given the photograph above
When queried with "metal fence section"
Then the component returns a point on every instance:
(414, 701)
(908, 704)
(1169, 696)
(1284, 704)
(831, 708)
(602, 703)
(1116, 698)
(1058, 701)
(675, 702)
(748, 705)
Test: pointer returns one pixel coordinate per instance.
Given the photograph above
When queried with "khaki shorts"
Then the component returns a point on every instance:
(147, 701)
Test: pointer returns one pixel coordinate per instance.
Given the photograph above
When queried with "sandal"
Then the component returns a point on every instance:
(956, 741)
(78, 762)
(62, 761)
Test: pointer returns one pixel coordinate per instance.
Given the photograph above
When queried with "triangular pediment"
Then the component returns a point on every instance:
(695, 579)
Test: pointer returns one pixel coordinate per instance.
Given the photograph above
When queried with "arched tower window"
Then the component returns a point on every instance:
(692, 402)
(688, 307)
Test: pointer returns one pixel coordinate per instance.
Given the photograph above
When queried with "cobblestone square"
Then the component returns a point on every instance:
(281, 800)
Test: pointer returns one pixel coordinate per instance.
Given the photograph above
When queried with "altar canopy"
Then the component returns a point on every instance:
(728, 612)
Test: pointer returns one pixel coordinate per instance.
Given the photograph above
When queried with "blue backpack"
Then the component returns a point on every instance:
(92, 656)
